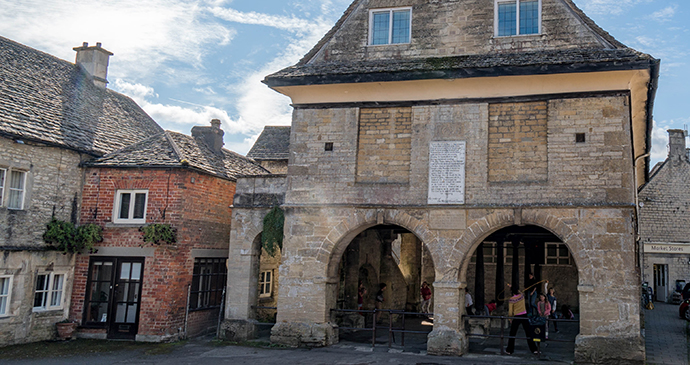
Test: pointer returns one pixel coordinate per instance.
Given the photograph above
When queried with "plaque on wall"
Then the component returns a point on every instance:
(446, 172)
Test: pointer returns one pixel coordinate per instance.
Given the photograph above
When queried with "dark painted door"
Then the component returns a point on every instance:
(124, 311)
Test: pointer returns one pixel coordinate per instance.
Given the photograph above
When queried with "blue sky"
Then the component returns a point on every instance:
(186, 62)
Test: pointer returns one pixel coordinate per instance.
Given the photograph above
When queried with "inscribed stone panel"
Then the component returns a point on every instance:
(383, 152)
(517, 142)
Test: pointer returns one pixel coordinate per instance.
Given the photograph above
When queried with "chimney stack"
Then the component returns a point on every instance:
(212, 136)
(676, 144)
(95, 61)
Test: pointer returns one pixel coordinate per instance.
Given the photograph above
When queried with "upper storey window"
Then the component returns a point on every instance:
(130, 206)
(517, 17)
(390, 26)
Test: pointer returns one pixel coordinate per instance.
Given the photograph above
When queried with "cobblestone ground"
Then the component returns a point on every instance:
(665, 336)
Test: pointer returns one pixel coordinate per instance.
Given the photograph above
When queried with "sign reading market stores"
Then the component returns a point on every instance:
(683, 248)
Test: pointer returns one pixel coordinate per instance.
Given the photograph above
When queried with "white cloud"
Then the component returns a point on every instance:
(665, 14)
(143, 35)
(614, 7)
(291, 23)
(660, 138)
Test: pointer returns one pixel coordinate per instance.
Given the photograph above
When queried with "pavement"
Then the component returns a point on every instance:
(666, 335)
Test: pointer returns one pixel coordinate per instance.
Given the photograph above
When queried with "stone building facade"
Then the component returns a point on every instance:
(664, 224)
(54, 115)
(453, 131)
(132, 289)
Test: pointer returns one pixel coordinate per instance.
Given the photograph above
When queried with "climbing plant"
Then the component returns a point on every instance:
(159, 233)
(64, 236)
(272, 235)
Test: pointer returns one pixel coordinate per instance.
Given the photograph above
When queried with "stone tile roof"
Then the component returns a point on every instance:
(172, 149)
(462, 66)
(49, 100)
(665, 204)
(272, 144)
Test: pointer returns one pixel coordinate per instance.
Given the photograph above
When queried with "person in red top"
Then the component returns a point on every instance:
(426, 297)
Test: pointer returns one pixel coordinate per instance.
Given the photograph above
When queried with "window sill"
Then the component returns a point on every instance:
(125, 225)
(47, 312)
(388, 44)
(501, 37)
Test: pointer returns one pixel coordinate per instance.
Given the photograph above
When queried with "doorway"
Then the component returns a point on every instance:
(661, 282)
(114, 295)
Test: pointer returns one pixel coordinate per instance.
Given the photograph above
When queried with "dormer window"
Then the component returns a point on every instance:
(517, 17)
(390, 26)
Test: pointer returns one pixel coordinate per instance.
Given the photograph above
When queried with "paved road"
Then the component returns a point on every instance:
(665, 336)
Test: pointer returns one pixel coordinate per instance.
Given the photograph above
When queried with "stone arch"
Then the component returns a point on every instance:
(337, 240)
(479, 230)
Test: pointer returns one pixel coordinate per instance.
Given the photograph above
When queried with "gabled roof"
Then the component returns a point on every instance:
(172, 149)
(572, 42)
(49, 100)
(272, 144)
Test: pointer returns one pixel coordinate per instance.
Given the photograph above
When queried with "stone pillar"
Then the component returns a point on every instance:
(515, 279)
(241, 291)
(304, 318)
(500, 284)
(448, 337)
(602, 340)
(479, 280)
(411, 268)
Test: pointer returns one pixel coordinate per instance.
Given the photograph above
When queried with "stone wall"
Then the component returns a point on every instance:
(53, 187)
(383, 153)
(450, 28)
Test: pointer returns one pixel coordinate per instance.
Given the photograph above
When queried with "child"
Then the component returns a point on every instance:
(426, 297)
(566, 313)
(543, 307)
(551, 296)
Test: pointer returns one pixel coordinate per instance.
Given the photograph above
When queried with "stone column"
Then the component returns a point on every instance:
(500, 284)
(515, 279)
(448, 336)
(241, 292)
(479, 280)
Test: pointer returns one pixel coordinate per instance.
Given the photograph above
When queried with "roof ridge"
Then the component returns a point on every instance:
(599, 32)
(329, 35)
(174, 146)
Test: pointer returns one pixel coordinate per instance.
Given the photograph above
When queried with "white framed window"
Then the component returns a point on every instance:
(557, 254)
(15, 189)
(5, 295)
(517, 17)
(49, 291)
(130, 206)
(390, 26)
(265, 283)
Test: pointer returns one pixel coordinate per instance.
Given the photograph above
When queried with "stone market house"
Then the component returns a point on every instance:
(664, 220)
(447, 124)
(131, 289)
(54, 115)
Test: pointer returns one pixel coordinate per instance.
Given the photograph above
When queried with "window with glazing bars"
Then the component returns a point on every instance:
(208, 281)
(390, 26)
(517, 17)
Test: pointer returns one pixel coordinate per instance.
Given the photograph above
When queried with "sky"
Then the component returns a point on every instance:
(188, 61)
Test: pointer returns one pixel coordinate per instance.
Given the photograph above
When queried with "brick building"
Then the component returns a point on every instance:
(664, 222)
(515, 131)
(54, 115)
(131, 289)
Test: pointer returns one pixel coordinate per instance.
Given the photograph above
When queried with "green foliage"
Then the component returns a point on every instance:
(158, 233)
(65, 237)
(272, 235)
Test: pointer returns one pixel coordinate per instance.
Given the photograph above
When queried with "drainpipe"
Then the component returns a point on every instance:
(186, 309)
(640, 256)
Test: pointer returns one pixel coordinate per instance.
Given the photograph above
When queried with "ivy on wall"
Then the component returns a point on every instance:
(272, 235)
(159, 233)
(64, 236)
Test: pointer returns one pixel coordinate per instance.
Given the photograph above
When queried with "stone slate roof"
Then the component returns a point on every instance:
(49, 100)
(172, 149)
(665, 204)
(524, 63)
(272, 144)
(613, 55)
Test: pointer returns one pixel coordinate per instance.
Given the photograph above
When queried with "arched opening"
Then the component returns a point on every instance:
(265, 275)
(507, 257)
(396, 257)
